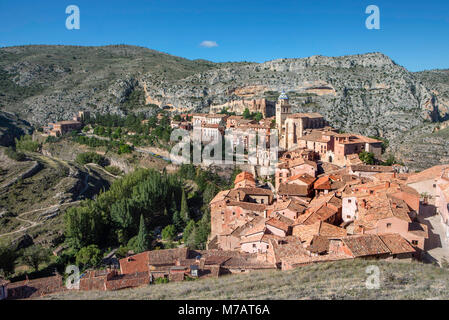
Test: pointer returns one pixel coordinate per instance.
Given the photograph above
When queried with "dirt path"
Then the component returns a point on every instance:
(34, 223)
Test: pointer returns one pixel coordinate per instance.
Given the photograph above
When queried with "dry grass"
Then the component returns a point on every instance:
(338, 280)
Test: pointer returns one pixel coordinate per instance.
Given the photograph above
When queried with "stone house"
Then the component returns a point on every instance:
(424, 182)
(244, 180)
(290, 208)
(290, 168)
(362, 170)
(372, 246)
(346, 144)
(62, 127)
(306, 232)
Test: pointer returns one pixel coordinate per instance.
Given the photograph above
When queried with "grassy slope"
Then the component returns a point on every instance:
(339, 280)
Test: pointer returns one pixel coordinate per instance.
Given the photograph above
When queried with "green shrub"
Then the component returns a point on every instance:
(169, 232)
(367, 157)
(90, 157)
(124, 148)
(116, 171)
(161, 280)
(26, 143)
(89, 256)
(14, 155)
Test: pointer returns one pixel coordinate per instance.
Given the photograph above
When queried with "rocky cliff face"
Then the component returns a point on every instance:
(368, 94)
(11, 127)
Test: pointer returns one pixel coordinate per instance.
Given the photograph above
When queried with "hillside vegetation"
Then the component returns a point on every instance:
(338, 280)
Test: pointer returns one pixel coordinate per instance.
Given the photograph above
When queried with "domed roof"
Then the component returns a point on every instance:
(283, 96)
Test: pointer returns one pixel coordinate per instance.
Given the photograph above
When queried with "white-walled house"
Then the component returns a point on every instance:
(442, 200)
(349, 208)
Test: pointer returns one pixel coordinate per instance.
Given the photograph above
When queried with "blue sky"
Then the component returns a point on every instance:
(413, 33)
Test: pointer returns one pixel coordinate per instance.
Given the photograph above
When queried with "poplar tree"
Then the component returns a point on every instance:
(143, 238)
(185, 214)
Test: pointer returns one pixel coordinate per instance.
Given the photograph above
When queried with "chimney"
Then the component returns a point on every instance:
(265, 214)
(394, 205)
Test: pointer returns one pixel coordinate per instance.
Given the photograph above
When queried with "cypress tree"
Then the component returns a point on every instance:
(178, 221)
(185, 214)
(143, 238)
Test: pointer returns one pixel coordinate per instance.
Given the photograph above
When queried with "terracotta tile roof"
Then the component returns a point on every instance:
(319, 228)
(258, 228)
(243, 192)
(247, 205)
(290, 204)
(327, 198)
(299, 260)
(304, 177)
(396, 244)
(167, 256)
(220, 196)
(252, 238)
(277, 224)
(280, 217)
(243, 229)
(371, 168)
(296, 162)
(381, 206)
(287, 247)
(292, 189)
(319, 245)
(256, 191)
(246, 263)
(365, 245)
(216, 260)
(317, 214)
(243, 176)
(323, 183)
(428, 174)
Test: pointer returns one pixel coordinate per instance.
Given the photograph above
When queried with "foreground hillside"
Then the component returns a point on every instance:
(339, 280)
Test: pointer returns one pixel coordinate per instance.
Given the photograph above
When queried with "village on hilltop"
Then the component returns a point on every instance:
(325, 205)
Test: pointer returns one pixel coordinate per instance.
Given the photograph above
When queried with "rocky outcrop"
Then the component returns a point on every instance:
(367, 93)
(11, 127)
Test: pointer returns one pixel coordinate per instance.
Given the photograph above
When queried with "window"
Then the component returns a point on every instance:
(415, 242)
(254, 245)
(388, 225)
(348, 216)
(349, 201)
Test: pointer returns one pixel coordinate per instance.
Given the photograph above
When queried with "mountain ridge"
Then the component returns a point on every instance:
(365, 93)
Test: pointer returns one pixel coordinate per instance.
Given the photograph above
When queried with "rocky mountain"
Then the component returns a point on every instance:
(12, 127)
(368, 94)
